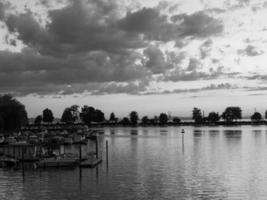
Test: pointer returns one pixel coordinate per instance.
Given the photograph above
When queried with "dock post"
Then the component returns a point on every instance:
(96, 147)
(183, 139)
(23, 152)
(80, 152)
(107, 153)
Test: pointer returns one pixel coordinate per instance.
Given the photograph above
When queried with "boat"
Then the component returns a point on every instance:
(7, 161)
(68, 141)
(2, 138)
(10, 140)
(58, 161)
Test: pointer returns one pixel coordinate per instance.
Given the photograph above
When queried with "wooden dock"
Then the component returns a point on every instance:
(90, 163)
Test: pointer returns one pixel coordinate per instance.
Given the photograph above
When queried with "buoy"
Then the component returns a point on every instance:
(182, 131)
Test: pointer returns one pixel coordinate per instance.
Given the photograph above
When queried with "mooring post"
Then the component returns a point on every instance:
(107, 153)
(96, 147)
(183, 139)
(80, 152)
(23, 152)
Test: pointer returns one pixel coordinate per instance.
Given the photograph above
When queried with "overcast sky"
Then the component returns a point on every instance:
(151, 56)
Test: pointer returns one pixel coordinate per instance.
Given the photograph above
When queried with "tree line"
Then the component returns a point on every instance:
(13, 115)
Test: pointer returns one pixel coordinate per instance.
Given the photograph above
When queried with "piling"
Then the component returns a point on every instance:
(107, 153)
(80, 152)
(96, 147)
(183, 139)
(23, 156)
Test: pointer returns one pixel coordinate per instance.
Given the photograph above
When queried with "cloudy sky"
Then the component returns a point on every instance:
(151, 56)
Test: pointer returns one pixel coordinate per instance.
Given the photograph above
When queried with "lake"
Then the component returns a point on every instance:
(156, 163)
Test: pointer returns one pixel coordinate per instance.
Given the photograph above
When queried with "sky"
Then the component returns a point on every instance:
(150, 56)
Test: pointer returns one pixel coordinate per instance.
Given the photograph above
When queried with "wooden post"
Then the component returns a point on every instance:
(107, 153)
(96, 147)
(23, 152)
(183, 139)
(80, 152)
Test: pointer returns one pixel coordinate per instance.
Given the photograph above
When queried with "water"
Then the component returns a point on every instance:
(154, 163)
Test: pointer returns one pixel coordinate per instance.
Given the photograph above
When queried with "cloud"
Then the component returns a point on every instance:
(193, 64)
(104, 42)
(116, 88)
(221, 86)
(198, 25)
(2, 11)
(37, 72)
(156, 26)
(205, 48)
(191, 73)
(76, 28)
(156, 62)
(250, 51)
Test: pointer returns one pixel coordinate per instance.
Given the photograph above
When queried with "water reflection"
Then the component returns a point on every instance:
(223, 163)
(197, 133)
(134, 132)
(214, 132)
(232, 133)
(163, 132)
(112, 131)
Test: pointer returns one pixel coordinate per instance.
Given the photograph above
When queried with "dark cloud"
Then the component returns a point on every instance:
(192, 74)
(221, 86)
(198, 25)
(79, 27)
(156, 26)
(193, 64)
(256, 76)
(39, 73)
(88, 42)
(116, 88)
(205, 48)
(156, 62)
(250, 51)
(2, 11)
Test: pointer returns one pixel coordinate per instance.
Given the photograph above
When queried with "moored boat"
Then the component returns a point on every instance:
(58, 161)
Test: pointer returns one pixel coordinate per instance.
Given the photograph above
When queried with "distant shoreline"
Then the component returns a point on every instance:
(220, 123)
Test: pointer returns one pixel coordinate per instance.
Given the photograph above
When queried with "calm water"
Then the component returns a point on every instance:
(153, 163)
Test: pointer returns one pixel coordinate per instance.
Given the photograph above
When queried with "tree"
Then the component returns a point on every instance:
(67, 116)
(176, 120)
(145, 120)
(12, 112)
(70, 114)
(163, 118)
(38, 120)
(75, 112)
(48, 115)
(99, 116)
(155, 120)
(2, 123)
(213, 117)
(90, 114)
(134, 117)
(112, 117)
(256, 117)
(125, 121)
(197, 115)
(232, 113)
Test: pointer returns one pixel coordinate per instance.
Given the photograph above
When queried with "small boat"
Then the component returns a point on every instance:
(58, 161)
(2, 138)
(10, 140)
(68, 141)
(7, 161)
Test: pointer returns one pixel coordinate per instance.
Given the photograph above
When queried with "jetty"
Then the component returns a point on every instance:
(50, 145)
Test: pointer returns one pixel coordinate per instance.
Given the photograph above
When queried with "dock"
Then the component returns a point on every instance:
(90, 163)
